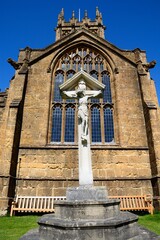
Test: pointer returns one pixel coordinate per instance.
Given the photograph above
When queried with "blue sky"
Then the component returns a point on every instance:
(130, 24)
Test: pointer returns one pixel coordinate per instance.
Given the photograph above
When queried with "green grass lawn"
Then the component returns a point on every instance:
(12, 228)
(152, 222)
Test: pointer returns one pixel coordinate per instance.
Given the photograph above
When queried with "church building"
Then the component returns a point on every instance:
(38, 128)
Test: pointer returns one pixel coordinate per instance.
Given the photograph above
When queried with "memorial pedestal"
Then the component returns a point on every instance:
(88, 215)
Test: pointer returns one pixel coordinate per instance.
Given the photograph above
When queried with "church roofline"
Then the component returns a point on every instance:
(98, 40)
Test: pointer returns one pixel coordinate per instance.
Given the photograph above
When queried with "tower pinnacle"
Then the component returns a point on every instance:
(64, 28)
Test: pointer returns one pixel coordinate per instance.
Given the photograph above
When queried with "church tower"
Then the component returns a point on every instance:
(38, 129)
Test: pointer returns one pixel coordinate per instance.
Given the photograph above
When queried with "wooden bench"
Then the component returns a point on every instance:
(34, 204)
(46, 204)
(135, 203)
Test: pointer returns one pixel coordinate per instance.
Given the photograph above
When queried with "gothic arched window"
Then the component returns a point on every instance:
(64, 112)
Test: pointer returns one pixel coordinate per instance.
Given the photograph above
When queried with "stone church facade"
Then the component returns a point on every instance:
(38, 129)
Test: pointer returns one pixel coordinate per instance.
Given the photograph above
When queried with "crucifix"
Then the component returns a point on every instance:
(84, 151)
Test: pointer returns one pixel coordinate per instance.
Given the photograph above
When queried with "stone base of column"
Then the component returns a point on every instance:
(86, 193)
(87, 215)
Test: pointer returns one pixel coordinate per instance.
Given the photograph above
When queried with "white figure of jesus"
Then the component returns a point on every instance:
(85, 166)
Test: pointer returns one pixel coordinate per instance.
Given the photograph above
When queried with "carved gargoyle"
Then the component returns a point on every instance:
(14, 64)
(144, 67)
(149, 65)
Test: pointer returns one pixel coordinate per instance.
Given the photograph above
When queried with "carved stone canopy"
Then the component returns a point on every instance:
(72, 83)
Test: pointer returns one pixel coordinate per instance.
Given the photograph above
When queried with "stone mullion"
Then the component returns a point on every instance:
(99, 68)
(71, 63)
(82, 64)
(99, 77)
(93, 64)
(89, 121)
(102, 124)
(87, 67)
(76, 124)
(63, 121)
(65, 76)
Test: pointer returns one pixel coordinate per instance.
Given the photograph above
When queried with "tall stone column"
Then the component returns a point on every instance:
(84, 150)
(85, 164)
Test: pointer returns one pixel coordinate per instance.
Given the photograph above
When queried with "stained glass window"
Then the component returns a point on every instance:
(100, 110)
(107, 91)
(94, 74)
(59, 77)
(69, 124)
(108, 124)
(70, 73)
(96, 127)
(56, 124)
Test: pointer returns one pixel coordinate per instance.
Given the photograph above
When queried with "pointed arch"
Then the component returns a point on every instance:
(101, 50)
(85, 57)
(94, 74)
(70, 73)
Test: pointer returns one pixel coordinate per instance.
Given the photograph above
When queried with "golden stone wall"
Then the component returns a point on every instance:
(54, 170)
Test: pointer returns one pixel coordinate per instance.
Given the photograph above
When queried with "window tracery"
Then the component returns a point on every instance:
(64, 123)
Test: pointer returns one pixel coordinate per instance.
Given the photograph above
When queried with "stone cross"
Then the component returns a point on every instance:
(84, 151)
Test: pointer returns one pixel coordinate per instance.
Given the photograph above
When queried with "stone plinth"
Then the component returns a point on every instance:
(88, 220)
(86, 193)
(98, 218)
